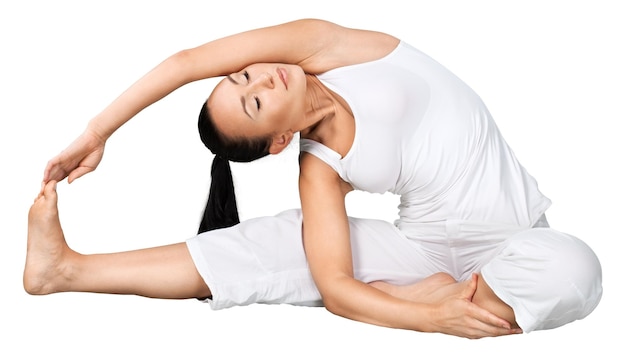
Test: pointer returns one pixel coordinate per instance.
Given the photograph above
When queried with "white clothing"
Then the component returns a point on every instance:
(425, 135)
(467, 205)
(262, 260)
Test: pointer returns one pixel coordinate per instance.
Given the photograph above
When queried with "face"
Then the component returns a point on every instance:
(261, 100)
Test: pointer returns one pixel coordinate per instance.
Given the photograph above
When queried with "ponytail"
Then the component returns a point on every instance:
(221, 207)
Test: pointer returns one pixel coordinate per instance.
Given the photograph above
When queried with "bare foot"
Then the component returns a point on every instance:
(429, 290)
(47, 250)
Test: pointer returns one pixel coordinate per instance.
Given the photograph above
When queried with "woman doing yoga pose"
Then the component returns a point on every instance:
(471, 253)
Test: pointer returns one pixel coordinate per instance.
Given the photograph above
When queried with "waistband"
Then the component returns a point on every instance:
(453, 232)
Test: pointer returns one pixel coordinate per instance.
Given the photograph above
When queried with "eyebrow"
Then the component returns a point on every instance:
(243, 100)
(243, 105)
(231, 79)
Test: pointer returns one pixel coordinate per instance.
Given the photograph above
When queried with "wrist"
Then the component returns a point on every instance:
(97, 131)
(425, 317)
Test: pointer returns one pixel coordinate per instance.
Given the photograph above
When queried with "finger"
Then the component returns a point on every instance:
(470, 289)
(77, 173)
(476, 329)
(50, 189)
(54, 173)
(488, 318)
(484, 330)
(487, 325)
(46, 172)
(479, 333)
(52, 167)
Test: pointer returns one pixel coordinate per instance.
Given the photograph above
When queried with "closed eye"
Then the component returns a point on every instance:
(246, 75)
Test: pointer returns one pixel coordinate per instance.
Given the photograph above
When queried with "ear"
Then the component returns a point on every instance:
(281, 141)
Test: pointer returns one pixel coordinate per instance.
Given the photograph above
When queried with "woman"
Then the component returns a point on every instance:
(375, 114)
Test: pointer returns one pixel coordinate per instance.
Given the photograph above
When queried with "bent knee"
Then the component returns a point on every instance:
(549, 278)
(570, 260)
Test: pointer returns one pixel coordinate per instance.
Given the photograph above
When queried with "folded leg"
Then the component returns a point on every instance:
(547, 277)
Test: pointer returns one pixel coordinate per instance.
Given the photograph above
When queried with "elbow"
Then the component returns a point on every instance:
(181, 64)
(181, 58)
(335, 296)
(333, 305)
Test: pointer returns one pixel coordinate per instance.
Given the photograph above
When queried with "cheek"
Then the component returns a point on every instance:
(281, 108)
(298, 110)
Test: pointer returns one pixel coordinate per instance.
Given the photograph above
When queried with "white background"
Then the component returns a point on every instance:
(551, 72)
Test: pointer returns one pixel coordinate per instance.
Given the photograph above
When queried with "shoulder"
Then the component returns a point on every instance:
(313, 169)
(336, 46)
(318, 178)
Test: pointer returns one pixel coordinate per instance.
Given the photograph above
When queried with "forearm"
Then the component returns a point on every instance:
(326, 237)
(156, 84)
(358, 301)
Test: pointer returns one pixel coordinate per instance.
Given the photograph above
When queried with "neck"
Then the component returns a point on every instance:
(322, 106)
(329, 120)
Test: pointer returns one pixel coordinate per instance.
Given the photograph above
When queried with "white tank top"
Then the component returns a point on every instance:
(422, 133)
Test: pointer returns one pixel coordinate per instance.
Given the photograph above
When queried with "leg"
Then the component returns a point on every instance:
(543, 279)
(262, 260)
(548, 278)
(51, 266)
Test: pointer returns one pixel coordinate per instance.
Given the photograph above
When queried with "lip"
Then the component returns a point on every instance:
(282, 74)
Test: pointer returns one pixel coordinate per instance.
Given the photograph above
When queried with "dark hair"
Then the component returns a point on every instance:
(221, 208)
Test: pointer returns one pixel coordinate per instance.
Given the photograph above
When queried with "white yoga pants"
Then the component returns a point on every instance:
(549, 278)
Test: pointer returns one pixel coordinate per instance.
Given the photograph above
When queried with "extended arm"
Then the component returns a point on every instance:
(315, 45)
(295, 42)
(327, 246)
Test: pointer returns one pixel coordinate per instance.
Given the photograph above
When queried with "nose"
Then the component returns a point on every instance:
(264, 80)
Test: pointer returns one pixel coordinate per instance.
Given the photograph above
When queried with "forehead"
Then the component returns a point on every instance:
(225, 108)
(221, 94)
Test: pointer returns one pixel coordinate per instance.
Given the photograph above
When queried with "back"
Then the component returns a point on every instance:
(424, 134)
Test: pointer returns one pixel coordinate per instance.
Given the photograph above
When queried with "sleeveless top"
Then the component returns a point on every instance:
(423, 134)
